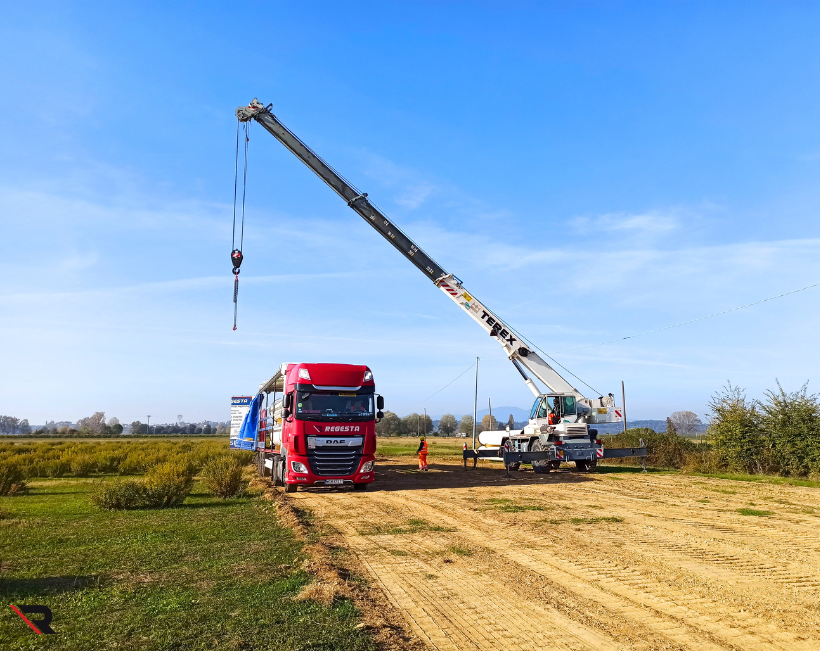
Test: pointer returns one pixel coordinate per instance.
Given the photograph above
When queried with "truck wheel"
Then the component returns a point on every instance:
(278, 471)
(291, 488)
(581, 466)
(592, 466)
(360, 487)
(506, 448)
(539, 467)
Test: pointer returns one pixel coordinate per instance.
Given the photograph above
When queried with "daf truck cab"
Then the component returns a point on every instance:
(319, 426)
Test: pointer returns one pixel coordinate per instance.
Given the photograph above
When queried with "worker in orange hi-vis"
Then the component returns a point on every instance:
(422, 451)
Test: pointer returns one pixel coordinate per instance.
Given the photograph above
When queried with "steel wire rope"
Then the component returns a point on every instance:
(449, 383)
(701, 318)
(235, 182)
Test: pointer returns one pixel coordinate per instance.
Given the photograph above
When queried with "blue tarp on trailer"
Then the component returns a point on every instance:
(250, 426)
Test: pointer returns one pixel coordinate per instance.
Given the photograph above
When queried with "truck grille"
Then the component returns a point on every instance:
(338, 462)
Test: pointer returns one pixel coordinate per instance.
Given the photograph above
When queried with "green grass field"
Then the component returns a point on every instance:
(405, 446)
(211, 574)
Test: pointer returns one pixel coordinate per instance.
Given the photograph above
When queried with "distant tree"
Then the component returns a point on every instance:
(113, 421)
(670, 426)
(135, 427)
(511, 422)
(94, 424)
(222, 429)
(192, 428)
(116, 429)
(24, 427)
(207, 430)
(390, 425)
(416, 424)
(489, 423)
(685, 422)
(9, 424)
(465, 426)
(447, 425)
(144, 428)
(198, 430)
(158, 429)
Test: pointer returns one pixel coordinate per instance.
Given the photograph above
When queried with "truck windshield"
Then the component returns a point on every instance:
(332, 405)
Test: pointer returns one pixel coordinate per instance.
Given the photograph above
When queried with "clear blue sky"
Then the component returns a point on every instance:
(590, 170)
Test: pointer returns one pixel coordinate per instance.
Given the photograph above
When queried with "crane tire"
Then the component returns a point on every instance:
(539, 467)
(291, 488)
(581, 466)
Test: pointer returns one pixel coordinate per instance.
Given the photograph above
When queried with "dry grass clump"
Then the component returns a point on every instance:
(222, 477)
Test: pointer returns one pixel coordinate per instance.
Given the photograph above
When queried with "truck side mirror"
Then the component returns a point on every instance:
(379, 416)
(380, 404)
(287, 401)
(286, 413)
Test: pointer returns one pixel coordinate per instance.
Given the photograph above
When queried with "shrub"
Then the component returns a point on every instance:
(12, 478)
(222, 476)
(109, 461)
(82, 465)
(167, 484)
(54, 468)
(133, 464)
(736, 433)
(118, 495)
(663, 449)
(792, 425)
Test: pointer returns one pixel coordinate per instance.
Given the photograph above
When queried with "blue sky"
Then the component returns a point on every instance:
(589, 170)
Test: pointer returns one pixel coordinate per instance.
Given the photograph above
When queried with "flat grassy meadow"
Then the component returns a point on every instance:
(210, 573)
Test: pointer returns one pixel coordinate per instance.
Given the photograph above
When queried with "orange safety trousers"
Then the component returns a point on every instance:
(422, 460)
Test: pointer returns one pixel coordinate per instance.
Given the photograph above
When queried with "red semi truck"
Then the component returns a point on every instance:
(318, 426)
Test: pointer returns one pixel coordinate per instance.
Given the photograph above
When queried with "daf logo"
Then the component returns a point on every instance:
(335, 441)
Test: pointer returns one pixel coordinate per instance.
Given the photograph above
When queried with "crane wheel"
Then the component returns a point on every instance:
(291, 488)
(581, 466)
(539, 467)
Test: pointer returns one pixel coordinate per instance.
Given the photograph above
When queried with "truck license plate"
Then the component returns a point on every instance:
(334, 481)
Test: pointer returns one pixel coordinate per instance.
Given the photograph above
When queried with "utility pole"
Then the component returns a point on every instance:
(623, 399)
(475, 401)
(149, 423)
(425, 421)
(490, 406)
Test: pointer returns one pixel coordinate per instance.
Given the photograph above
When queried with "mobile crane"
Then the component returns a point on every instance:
(558, 428)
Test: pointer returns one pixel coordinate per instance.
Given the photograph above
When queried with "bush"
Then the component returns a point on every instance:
(109, 461)
(133, 464)
(167, 484)
(792, 425)
(12, 478)
(54, 468)
(663, 449)
(736, 433)
(222, 476)
(82, 465)
(118, 495)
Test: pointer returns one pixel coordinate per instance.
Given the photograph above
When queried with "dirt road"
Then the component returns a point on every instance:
(607, 561)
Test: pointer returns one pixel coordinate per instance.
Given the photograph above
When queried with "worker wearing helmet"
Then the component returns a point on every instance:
(422, 452)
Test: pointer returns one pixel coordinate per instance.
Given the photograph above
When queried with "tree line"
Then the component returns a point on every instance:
(417, 424)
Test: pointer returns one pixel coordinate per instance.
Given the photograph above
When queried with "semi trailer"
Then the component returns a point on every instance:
(316, 426)
(562, 419)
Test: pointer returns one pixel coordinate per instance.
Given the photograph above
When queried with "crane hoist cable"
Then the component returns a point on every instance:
(236, 254)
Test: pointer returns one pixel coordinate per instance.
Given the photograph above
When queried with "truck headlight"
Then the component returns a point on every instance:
(367, 467)
(298, 467)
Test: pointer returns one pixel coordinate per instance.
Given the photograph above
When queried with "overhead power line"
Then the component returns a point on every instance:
(683, 323)
(450, 382)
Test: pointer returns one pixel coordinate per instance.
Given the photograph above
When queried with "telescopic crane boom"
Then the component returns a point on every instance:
(595, 410)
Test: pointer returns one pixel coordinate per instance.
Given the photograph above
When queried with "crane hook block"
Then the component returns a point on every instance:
(236, 260)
